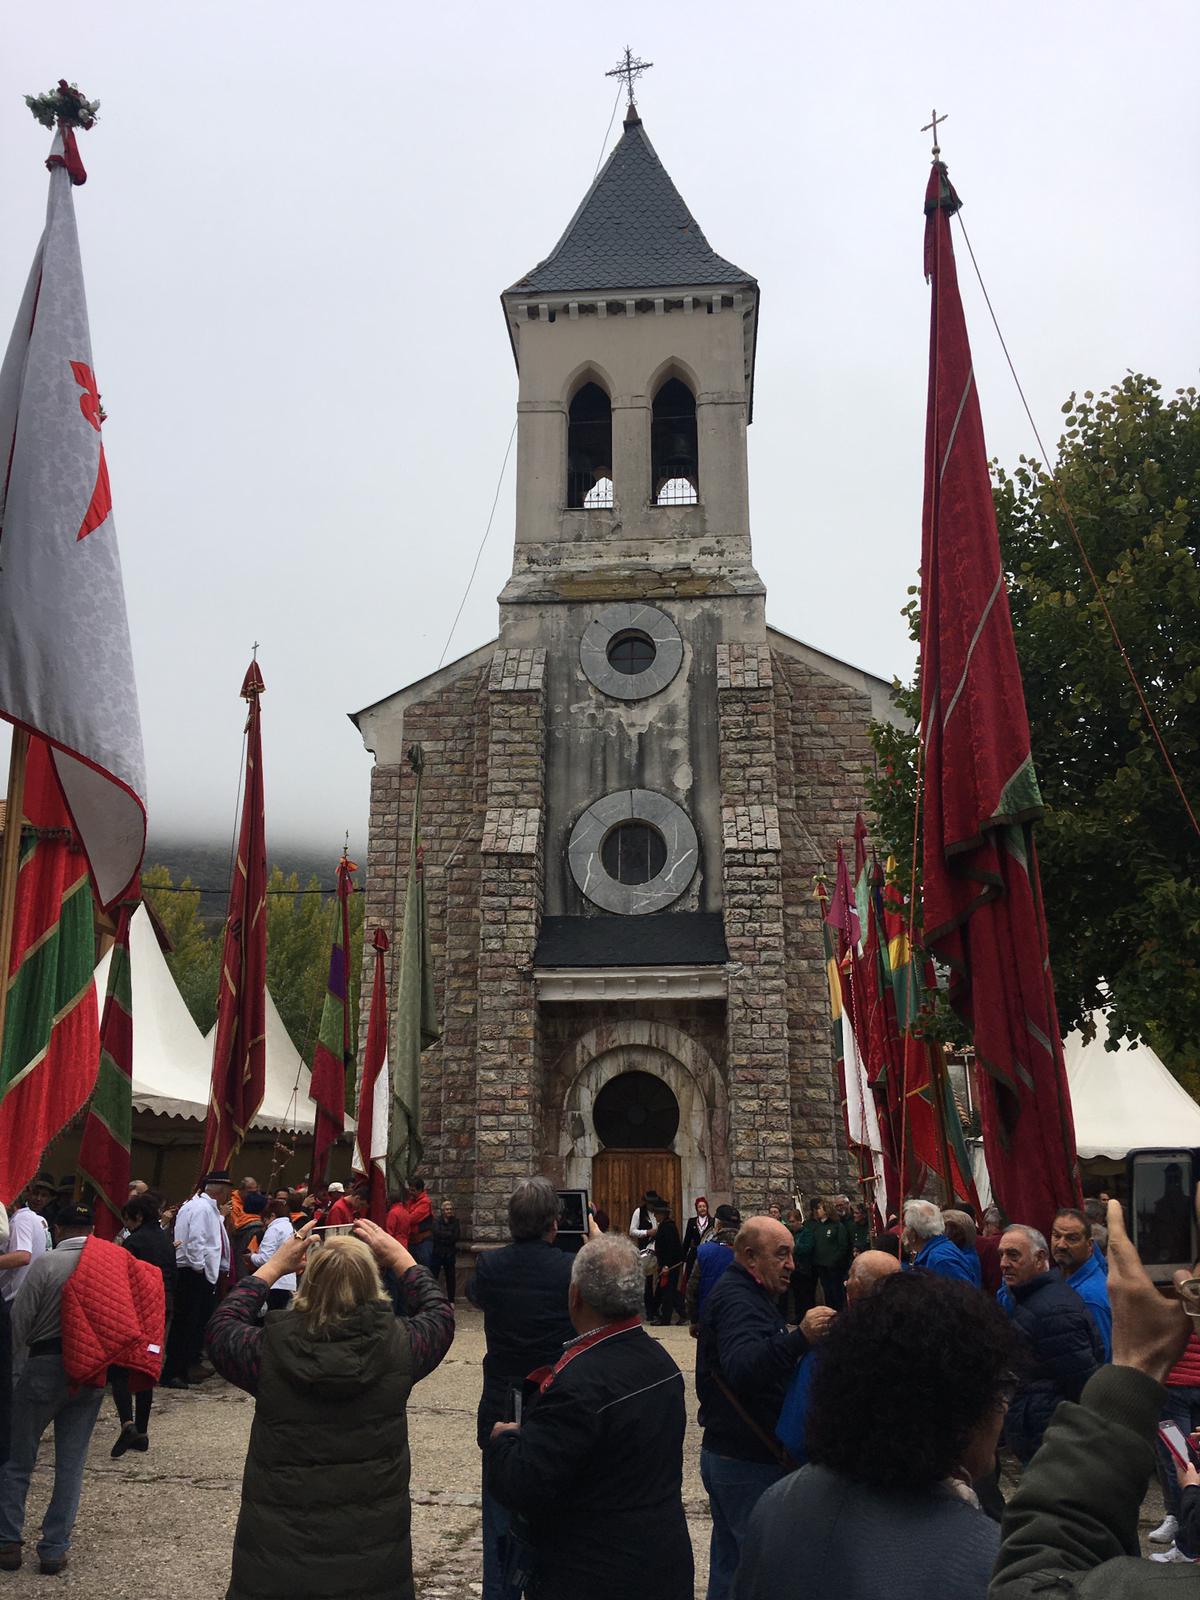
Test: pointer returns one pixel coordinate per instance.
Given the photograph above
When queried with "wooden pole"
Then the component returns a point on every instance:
(10, 859)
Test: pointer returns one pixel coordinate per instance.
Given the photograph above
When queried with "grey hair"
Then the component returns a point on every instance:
(608, 1274)
(532, 1209)
(922, 1218)
(1036, 1239)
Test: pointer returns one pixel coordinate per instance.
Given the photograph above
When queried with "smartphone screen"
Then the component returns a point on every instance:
(1161, 1190)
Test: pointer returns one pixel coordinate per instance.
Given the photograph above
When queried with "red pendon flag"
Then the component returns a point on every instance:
(66, 668)
(333, 1058)
(374, 1091)
(239, 1071)
(107, 1133)
(51, 1044)
(983, 915)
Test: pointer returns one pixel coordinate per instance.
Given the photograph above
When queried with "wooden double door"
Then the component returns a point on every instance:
(621, 1177)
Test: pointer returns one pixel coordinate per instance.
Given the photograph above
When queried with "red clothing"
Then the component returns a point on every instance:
(1185, 1374)
(987, 1248)
(399, 1223)
(420, 1219)
(113, 1314)
(340, 1212)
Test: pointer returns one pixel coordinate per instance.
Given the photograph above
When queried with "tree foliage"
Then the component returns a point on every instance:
(1120, 861)
(300, 931)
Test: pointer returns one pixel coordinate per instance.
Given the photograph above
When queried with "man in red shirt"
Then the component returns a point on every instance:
(342, 1211)
(420, 1223)
(399, 1223)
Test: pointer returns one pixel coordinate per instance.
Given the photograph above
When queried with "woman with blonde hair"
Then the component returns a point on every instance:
(325, 1513)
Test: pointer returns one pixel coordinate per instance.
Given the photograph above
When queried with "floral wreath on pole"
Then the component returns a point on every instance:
(67, 108)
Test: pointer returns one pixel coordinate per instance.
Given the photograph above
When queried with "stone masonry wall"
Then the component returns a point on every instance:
(508, 1078)
(451, 728)
(760, 1101)
(822, 750)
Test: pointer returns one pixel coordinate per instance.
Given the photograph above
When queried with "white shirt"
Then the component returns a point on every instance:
(640, 1235)
(26, 1231)
(276, 1233)
(201, 1242)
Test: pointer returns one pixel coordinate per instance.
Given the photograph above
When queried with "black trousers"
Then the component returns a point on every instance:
(133, 1408)
(449, 1266)
(195, 1298)
(833, 1282)
(804, 1295)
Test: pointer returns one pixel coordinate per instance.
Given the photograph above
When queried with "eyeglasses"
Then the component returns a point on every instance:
(1189, 1294)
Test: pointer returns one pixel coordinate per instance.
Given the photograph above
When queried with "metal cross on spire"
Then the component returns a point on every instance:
(631, 69)
(931, 127)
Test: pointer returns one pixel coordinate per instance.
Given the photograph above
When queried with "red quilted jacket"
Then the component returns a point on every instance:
(113, 1315)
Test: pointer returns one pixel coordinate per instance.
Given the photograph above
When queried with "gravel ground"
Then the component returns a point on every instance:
(160, 1526)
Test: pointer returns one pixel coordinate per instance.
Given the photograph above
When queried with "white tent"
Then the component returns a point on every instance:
(172, 1060)
(1125, 1099)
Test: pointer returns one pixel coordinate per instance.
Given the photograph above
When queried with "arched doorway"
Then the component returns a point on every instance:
(636, 1118)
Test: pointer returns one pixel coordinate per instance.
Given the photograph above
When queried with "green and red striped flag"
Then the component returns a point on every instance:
(104, 1151)
(51, 1043)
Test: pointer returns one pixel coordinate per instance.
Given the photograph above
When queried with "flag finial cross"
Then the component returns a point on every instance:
(932, 127)
(631, 69)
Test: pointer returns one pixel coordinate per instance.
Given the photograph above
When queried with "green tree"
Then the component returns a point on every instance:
(1120, 861)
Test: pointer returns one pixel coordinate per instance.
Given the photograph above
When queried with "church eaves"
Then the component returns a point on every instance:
(632, 231)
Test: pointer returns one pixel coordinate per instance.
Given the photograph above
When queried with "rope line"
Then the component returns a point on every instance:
(607, 131)
(1052, 476)
(482, 542)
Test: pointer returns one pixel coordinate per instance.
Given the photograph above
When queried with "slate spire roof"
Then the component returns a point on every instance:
(632, 231)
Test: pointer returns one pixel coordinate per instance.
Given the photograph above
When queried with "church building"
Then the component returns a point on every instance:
(628, 792)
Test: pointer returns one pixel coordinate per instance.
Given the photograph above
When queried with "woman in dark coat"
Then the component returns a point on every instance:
(146, 1240)
(325, 1513)
(668, 1250)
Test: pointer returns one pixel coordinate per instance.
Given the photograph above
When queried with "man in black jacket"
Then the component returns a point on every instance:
(522, 1292)
(596, 1469)
(745, 1358)
(1064, 1346)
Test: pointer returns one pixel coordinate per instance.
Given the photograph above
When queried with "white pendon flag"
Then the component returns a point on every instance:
(66, 668)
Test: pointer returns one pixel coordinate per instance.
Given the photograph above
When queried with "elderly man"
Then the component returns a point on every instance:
(604, 1433)
(745, 1359)
(202, 1253)
(961, 1230)
(928, 1247)
(712, 1258)
(522, 1292)
(42, 1397)
(1064, 1347)
(866, 1270)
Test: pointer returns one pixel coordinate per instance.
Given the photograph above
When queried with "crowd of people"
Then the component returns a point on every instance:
(855, 1391)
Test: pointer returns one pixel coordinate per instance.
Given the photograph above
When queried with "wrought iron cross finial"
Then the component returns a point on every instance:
(631, 69)
(931, 127)
(254, 649)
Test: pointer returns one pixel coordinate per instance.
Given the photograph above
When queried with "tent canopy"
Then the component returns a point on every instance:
(172, 1060)
(1125, 1099)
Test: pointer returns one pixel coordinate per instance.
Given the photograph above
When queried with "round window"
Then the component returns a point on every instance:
(633, 852)
(631, 653)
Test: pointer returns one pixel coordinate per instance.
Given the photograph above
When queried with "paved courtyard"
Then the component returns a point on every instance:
(160, 1526)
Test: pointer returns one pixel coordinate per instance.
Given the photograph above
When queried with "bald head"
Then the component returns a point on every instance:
(866, 1270)
(764, 1248)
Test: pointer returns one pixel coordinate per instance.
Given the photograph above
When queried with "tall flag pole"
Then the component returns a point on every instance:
(371, 1134)
(239, 1070)
(108, 1131)
(51, 1044)
(983, 916)
(334, 1057)
(66, 667)
(417, 1024)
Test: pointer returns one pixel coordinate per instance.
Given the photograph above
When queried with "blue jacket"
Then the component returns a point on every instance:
(711, 1260)
(1090, 1283)
(944, 1259)
(792, 1428)
(744, 1346)
(1064, 1351)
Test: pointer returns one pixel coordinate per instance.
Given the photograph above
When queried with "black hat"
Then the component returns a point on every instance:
(216, 1177)
(729, 1214)
(74, 1217)
(654, 1201)
(44, 1180)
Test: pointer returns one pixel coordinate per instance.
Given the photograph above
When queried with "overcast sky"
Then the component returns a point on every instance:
(298, 220)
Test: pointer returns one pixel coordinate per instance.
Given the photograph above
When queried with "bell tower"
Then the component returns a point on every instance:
(628, 792)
